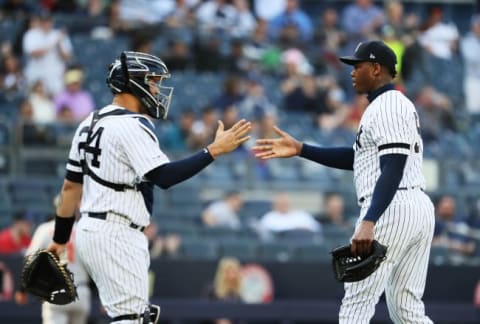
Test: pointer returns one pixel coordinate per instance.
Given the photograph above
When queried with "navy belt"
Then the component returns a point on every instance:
(103, 216)
(362, 199)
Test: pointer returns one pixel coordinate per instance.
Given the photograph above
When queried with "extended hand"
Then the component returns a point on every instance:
(282, 147)
(227, 141)
(362, 239)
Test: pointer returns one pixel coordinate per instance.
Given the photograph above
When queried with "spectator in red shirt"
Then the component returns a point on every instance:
(16, 238)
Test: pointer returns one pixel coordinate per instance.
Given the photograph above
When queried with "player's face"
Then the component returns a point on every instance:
(154, 84)
(363, 77)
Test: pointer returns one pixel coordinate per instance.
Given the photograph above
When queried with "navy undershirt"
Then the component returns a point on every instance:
(391, 166)
(175, 172)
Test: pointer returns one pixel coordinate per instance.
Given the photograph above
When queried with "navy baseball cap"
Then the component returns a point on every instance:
(373, 51)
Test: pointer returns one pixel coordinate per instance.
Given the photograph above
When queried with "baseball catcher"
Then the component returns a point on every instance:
(44, 276)
(349, 268)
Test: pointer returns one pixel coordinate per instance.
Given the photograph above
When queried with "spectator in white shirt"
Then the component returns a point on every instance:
(224, 212)
(46, 49)
(470, 49)
(282, 218)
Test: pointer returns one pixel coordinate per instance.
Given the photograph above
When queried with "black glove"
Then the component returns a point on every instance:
(44, 277)
(350, 268)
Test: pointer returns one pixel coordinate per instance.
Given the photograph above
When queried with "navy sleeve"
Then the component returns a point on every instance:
(392, 166)
(175, 172)
(334, 157)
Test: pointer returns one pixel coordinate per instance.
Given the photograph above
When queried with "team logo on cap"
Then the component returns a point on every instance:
(372, 56)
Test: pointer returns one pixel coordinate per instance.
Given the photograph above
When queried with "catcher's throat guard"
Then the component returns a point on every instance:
(44, 276)
(350, 268)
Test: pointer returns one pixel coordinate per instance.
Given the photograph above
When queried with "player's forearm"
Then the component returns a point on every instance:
(175, 172)
(392, 166)
(69, 199)
(334, 157)
(65, 212)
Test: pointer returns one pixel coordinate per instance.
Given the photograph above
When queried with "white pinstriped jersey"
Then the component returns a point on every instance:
(389, 125)
(124, 149)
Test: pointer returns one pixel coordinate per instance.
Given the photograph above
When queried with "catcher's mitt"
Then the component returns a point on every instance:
(45, 277)
(350, 268)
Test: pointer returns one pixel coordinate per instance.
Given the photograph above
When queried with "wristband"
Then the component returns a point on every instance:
(63, 228)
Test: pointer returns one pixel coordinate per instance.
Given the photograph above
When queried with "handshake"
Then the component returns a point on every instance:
(228, 140)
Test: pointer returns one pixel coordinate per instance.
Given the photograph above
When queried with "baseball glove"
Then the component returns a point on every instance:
(350, 268)
(44, 277)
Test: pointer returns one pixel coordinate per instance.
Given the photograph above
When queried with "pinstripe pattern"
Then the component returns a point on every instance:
(390, 126)
(129, 150)
(406, 228)
(115, 255)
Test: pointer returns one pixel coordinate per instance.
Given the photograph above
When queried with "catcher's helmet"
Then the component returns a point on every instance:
(137, 73)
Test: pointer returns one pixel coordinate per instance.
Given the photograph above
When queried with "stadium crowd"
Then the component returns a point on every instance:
(272, 62)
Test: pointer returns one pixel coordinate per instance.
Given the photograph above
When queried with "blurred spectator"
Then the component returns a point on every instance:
(236, 62)
(178, 136)
(283, 219)
(230, 116)
(162, 244)
(31, 132)
(448, 227)
(203, 130)
(268, 9)
(400, 23)
(6, 283)
(435, 111)
(244, 20)
(142, 14)
(224, 212)
(255, 104)
(332, 111)
(208, 56)
(178, 56)
(232, 93)
(46, 49)
(262, 127)
(334, 211)
(79, 100)
(357, 107)
(438, 37)
(216, 17)
(292, 25)
(43, 108)
(298, 84)
(329, 39)
(65, 115)
(421, 83)
(12, 80)
(261, 51)
(141, 42)
(470, 47)
(16, 238)
(226, 286)
(360, 21)
(182, 16)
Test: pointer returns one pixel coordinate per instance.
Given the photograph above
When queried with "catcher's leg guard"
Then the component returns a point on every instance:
(150, 315)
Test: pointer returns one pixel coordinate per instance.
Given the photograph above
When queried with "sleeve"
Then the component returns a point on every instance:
(141, 145)
(74, 169)
(394, 129)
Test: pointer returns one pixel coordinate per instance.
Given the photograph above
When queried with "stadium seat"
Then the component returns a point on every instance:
(199, 249)
(275, 251)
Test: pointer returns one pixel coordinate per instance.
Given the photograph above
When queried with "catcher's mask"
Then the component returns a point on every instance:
(141, 75)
